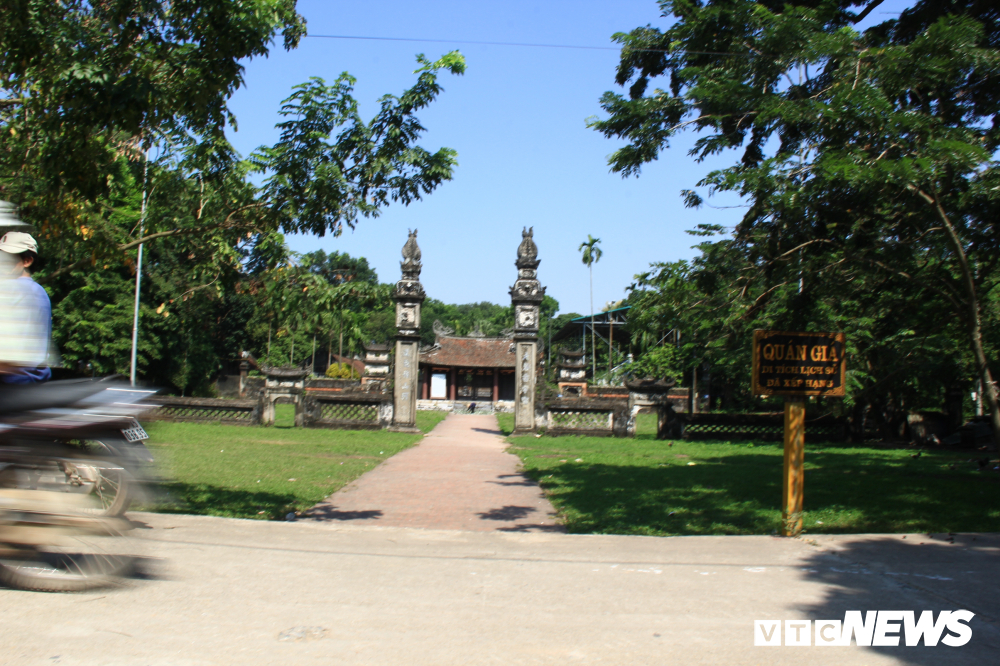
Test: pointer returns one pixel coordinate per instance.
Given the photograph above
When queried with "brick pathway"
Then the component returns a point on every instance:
(458, 478)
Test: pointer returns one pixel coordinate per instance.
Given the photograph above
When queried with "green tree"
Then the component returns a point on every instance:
(866, 157)
(337, 267)
(85, 82)
(590, 254)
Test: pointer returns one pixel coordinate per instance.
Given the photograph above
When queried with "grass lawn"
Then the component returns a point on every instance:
(643, 486)
(257, 472)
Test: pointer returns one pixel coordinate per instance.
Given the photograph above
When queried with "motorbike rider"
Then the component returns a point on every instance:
(25, 313)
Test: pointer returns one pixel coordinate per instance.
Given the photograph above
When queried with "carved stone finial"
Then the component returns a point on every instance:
(411, 261)
(411, 251)
(527, 251)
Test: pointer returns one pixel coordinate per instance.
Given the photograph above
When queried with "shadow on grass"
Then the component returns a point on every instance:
(741, 494)
(208, 500)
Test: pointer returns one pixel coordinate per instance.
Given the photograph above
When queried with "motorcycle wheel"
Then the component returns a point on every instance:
(51, 542)
(112, 488)
(61, 571)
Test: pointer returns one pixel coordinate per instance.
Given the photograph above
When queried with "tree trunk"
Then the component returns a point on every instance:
(593, 343)
(694, 390)
(314, 354)
(611, 346)
(972, 318)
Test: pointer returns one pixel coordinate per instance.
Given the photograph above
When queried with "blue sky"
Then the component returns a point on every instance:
(518, 121)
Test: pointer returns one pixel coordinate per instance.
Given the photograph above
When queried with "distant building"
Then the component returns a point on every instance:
(473, 368)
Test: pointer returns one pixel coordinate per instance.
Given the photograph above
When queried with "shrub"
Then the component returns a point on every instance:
(342, 371)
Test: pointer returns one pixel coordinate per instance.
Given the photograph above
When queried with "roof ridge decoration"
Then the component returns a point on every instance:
(442, 331)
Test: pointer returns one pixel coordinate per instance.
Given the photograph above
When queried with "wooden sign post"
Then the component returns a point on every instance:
(794, 472)
(796, 365)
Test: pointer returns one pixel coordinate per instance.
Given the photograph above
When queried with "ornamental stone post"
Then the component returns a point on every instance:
(408, 294)
(526, 296)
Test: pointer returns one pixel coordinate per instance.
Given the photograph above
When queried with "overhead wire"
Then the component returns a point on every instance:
(522, 44)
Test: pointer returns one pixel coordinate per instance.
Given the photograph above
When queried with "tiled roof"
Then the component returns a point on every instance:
(470, 353)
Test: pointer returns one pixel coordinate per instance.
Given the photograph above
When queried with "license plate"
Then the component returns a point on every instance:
(135, 433)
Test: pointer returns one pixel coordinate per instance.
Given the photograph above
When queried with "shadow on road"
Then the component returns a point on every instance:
(327, 512)
(921, 572)
(522, 480)
(506, 513)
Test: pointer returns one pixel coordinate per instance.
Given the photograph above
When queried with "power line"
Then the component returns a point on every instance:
(466, 41)
(523, 44)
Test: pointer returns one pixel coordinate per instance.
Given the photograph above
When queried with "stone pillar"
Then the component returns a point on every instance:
(409, 294)
(244, 368)
(496, 384)
(376, 375)
(526, 296)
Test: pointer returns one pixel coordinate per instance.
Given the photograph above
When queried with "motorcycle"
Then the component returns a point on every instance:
(90, 419)
(71, 461)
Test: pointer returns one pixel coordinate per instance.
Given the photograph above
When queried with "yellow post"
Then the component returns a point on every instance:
(795, 441)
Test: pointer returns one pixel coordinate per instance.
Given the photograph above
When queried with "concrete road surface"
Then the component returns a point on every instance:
(223, 591)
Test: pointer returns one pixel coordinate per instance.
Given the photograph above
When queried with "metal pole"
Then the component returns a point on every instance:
(138, 273)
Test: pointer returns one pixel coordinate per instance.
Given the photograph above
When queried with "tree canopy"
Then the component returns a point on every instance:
(112, 134)
(865, 158)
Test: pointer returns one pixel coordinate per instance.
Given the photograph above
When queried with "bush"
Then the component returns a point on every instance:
(659, 362)
(342, 371)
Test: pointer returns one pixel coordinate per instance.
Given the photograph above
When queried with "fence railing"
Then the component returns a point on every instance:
(229, 412)
(352, 411)
(764, 427)
(595, 417)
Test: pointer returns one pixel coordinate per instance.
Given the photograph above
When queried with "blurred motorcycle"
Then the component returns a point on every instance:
(71, 460)
(84, 419)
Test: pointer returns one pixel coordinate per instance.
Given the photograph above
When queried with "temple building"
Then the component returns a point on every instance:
(475, 368)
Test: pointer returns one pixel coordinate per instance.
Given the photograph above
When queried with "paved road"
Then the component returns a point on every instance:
(242, 592)
(372, 583)
(459, 477)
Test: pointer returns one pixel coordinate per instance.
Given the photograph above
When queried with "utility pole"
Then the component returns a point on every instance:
(138, 272)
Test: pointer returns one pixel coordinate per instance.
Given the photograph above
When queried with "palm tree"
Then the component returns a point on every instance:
(591, 254)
